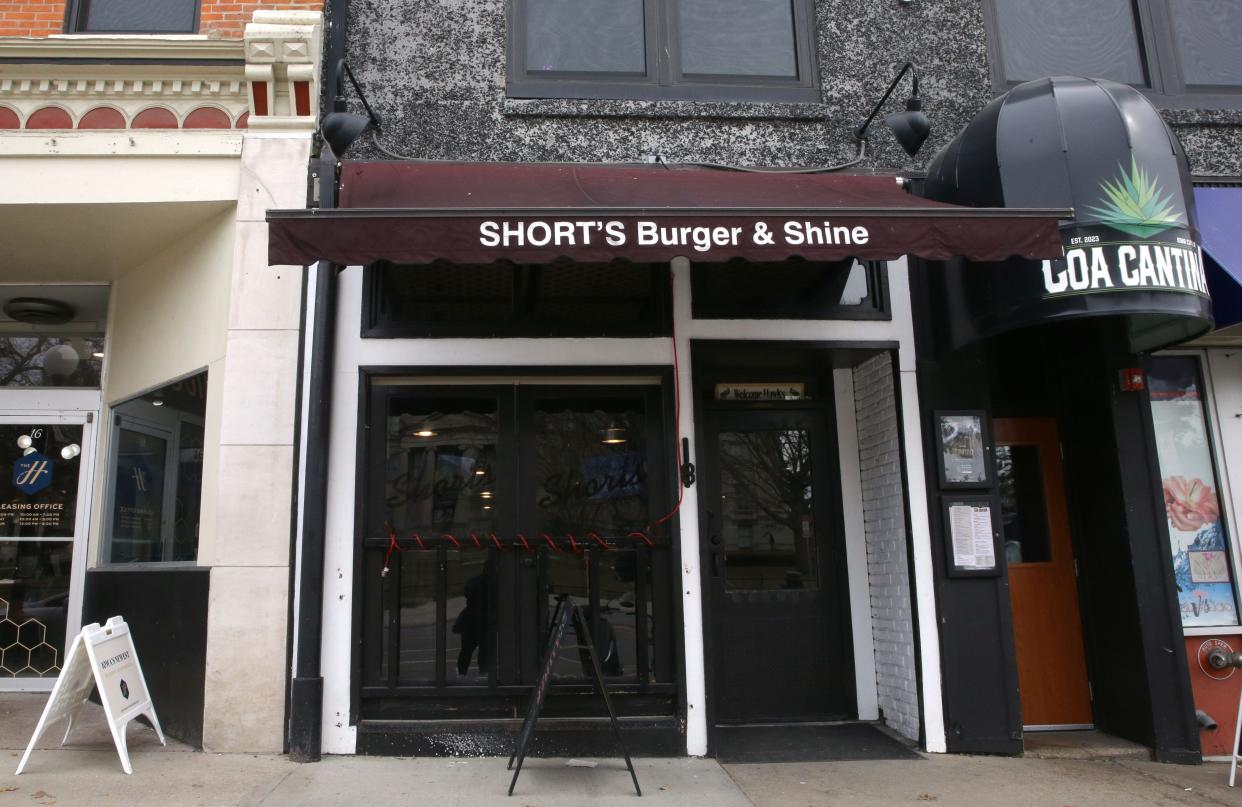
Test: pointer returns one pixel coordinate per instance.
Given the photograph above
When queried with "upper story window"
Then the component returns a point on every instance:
(133, 16)
(696, 50)
(1186, 52)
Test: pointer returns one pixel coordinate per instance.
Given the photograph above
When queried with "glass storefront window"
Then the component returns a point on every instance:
(1202, 564)
(34, 605)
(50, 361)
(440, 466)
(157, 473)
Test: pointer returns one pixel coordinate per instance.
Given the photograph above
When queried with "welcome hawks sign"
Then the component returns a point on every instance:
(1142, 241)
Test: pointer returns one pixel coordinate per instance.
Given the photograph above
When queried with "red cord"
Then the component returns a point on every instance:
(595, 537)
(475, 538)
(496, 541)
(452, 538)
(393, 546)
(643, 537)
(551, 543)
(522, 538)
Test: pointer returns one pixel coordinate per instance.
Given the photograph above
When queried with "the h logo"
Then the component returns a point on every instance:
(32, 473)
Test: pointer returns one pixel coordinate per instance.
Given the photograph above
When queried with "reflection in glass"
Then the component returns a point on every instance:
(41, 463)
(189, 491)
(417, 621)
(470, 637)
(1069, 38)
(34, 603)
(585, 36)
(618, 613)
(738, 37)
(138, 496)
(590, 467)
(440, 463)
(614, 627)
(767, 522)
(140, 15)
(156, 445)
(50, 361)
(1208, 34)
(1024, 513)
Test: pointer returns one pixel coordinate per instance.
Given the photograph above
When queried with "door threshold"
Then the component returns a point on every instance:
(1060, 727)
(792, 723)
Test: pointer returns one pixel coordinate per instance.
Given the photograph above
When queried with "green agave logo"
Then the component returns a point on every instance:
(1136, 204)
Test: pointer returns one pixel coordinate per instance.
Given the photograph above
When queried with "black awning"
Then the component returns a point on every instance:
(1132, 249)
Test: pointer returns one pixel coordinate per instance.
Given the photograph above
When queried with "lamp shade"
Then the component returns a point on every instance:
(341, 129)
(911, 127)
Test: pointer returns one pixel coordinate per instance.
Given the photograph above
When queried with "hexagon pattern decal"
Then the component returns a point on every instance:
(24, 650)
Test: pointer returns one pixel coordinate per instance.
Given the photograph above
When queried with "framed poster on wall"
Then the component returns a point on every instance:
(965, 449)
(971, 536)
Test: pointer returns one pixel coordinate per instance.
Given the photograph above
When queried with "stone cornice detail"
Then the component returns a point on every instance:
(159, 48)
(267, 80)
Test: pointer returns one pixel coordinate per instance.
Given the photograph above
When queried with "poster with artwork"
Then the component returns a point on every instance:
(1201, 564)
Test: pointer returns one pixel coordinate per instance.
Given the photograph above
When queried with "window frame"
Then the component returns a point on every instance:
(378, 325)
(879, 307)
(1158, 54)
(78, 11)
(1224, 493)
(664, 80)
(172, 452)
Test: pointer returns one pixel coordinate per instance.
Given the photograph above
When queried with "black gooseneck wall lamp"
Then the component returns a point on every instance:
(341, 128)
(910, 127)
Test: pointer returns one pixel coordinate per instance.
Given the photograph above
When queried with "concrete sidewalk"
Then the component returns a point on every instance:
(89, 774)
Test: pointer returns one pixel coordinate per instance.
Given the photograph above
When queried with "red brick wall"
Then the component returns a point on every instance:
(227, 18)
(219, 18)
(32, 17)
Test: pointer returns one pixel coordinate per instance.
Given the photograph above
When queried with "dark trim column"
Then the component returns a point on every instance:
(306, 686)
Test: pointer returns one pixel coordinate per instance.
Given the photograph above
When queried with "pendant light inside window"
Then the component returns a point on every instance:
(614, 435)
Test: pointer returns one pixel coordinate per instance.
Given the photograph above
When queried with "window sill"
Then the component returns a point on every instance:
(1222, 630)
(591, 108)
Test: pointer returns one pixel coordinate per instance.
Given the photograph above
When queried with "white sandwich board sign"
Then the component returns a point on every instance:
(101, 657)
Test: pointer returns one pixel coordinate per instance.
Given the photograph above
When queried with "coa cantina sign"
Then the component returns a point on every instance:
(1141, 242)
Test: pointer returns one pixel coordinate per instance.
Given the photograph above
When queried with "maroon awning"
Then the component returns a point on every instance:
(412, 212)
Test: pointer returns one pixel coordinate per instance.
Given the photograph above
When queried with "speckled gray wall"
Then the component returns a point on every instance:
(435, 69)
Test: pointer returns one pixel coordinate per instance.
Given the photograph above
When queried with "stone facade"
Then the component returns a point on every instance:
(435, 70)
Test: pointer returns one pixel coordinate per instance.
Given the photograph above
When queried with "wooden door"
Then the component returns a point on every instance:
(1043, 587)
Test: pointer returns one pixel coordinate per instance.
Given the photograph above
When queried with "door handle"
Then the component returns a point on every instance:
(716, 558)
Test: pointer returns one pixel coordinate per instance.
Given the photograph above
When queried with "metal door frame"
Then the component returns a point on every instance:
(65, 407)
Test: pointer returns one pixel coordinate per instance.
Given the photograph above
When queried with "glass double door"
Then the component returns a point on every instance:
(484, 505)
(43, 516)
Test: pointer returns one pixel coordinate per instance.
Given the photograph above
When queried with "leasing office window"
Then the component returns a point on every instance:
(1189, 51)
(735, 50)
(156, 461)
(133, 16)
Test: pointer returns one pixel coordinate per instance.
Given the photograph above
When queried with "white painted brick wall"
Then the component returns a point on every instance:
(885, 527)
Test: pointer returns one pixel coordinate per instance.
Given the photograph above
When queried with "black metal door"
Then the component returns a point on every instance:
(489, 502)
(776, 569)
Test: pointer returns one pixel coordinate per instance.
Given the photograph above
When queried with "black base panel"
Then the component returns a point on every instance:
(854, 742)
(553, 738)
(166, 610)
